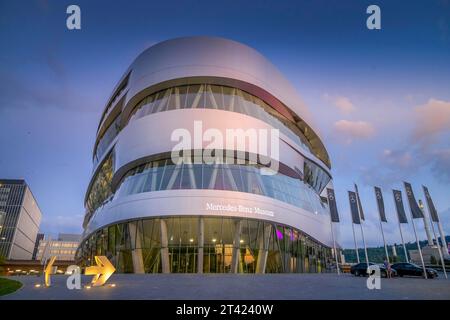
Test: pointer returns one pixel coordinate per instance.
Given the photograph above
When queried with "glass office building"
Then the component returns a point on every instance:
(150, 214)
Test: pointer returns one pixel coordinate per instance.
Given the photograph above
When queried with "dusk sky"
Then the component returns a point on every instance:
(380, 98)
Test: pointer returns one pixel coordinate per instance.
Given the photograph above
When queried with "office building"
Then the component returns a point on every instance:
(20, 218)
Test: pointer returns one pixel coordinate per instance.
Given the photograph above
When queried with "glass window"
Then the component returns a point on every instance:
(106, 139)
(101, 186)
(246, 177)
(218, 97)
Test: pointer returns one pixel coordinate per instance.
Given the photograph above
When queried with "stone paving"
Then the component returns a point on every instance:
(241, 286)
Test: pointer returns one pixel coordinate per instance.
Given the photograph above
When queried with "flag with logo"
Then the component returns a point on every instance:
(380, 203)
(431, 207)
(354, 207)
(361, 213)
(332, 204)
(401, 214)
(415, 210)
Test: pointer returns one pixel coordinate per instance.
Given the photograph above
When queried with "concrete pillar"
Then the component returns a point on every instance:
(136, 251)
(263, 249)
(427, 230)
(164, 248)
(394, 251)
(236, 247)
(201, 241)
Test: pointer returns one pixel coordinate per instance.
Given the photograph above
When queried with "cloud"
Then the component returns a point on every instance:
(348, 131)
(397, 158)
(343, 104)
(420, 150)
(432, 119)
(440, 165)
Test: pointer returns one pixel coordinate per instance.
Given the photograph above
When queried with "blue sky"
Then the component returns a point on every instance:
(380, 99)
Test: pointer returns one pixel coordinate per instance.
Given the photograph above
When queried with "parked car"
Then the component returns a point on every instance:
(411, 269)
(360, 269)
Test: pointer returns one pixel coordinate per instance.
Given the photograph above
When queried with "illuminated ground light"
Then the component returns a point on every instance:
(37, 285)
(87, 287)
(112, 285)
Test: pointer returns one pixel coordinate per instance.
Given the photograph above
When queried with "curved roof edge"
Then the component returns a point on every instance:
(204, 56)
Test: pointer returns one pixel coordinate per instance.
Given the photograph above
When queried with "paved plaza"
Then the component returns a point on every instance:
(241, 286)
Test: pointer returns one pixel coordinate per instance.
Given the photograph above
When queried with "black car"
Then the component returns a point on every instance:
(411, 269)
(360, 269)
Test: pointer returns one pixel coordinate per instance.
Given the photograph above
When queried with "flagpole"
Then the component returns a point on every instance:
(435, 217)
(364, 242)
(354, 238)
(334, 245)
(437, 240)
(418, 247)
(439, 248)
(359, 205)
(381, 224)
(403, 242)
(401, 235)
(409, 195)
(334, 216)
(384, 241)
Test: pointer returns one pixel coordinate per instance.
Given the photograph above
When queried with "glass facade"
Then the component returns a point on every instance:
(164, 175)
(11, 200)
(217, 211)
(205, 244)
(315, 176)
(109, 135)
(100, 190)
(208, 96)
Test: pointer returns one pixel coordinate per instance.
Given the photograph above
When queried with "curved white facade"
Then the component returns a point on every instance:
(149, 215)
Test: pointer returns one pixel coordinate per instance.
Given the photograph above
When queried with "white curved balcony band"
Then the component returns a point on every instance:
(147, 136)
(195, 203)
(203, 96)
